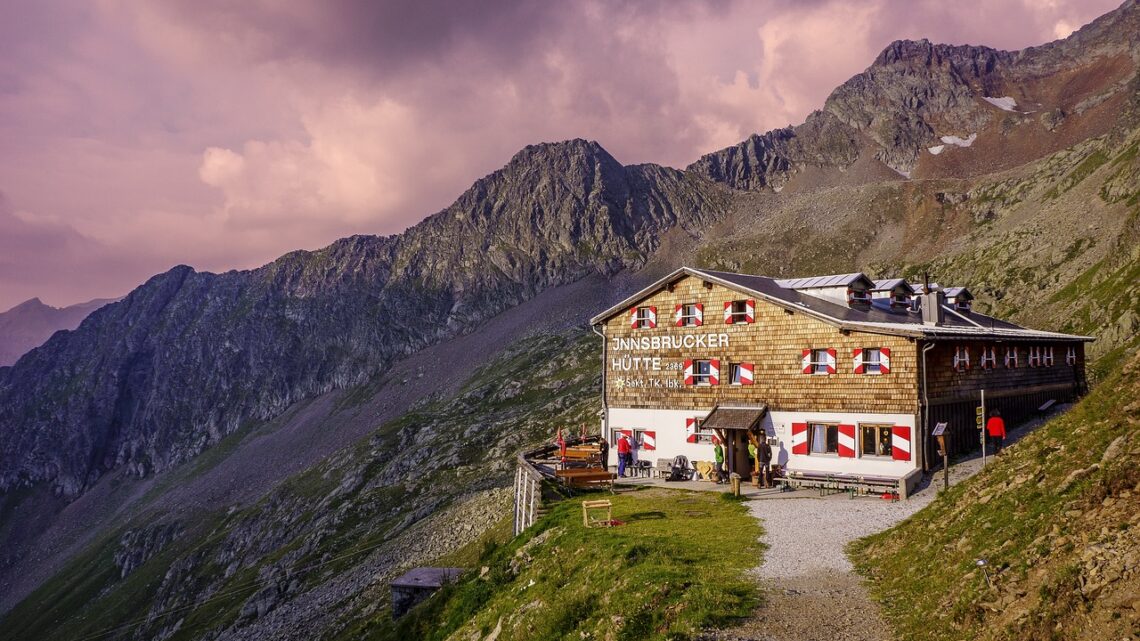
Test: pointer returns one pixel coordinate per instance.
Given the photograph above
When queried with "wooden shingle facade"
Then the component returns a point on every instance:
(825, 355)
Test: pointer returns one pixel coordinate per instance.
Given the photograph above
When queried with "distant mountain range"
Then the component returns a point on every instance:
(31, 323)
(303, 406)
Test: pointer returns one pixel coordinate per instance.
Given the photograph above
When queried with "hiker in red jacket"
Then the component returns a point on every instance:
(995, 427)
(623, 454)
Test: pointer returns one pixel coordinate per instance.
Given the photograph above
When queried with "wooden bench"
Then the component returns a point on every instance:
(586, 477)
(664, 466)
(835, 482)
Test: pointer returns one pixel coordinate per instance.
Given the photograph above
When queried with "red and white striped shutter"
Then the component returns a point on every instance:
(727, 312)
(714, 372)
(690, 430)
(966, 358)
(799, 438)
(900, 443)
(747, 373)
(830, 360)
(649, 440)
(633, 317)
(857, 359)
(688, 371)
(750, 311)
(1011, 358)
(628, 434)
(805, 363)
(847, 441)
(700, 314)
(885, 360)
(652, 317)
(677, 315)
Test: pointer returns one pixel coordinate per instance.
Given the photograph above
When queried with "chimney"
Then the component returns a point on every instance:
(932, 312)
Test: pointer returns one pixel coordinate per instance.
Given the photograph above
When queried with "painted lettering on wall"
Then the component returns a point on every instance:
(683, 341)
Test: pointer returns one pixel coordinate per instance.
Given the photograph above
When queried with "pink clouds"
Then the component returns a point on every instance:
(224, 134)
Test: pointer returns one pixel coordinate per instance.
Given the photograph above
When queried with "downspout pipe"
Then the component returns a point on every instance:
(926, 347)
(605, 405)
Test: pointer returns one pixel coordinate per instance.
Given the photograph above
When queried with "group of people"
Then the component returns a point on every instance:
(625, 448)
(759, 459)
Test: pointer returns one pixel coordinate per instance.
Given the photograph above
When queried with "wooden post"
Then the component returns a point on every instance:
(945, 461)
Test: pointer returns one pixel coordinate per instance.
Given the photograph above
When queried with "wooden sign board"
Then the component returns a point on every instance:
(939, 429)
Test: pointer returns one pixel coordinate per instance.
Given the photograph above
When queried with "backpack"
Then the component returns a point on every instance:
(679, 470)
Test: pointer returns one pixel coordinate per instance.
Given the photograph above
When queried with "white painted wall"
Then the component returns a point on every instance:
(670, 428)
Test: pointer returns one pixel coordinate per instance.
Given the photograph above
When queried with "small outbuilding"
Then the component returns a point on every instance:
(416, 585)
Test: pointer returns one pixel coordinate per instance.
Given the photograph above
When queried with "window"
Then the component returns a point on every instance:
(872, 360)
(702, 372)
(962, 304)
(818, 361)
(1034, 357)
(1071, 356)
(694, 433)
(643, 317)
(961, 358)
(823, 438)
(690, 315)
(900, 299)
(1011, 357)
(989, 357)
(875, 440)
(858, 297)
(1047, 356)
(741, 373)
(739, 311)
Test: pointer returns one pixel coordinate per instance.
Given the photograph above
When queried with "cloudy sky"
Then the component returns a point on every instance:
(140, 134)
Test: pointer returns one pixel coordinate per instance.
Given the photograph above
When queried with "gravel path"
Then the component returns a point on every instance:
(811, 590)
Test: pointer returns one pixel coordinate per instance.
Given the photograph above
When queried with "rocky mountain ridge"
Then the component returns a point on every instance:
(27, 325)
(112, 393)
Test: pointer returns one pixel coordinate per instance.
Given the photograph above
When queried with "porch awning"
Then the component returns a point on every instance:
(734, 418)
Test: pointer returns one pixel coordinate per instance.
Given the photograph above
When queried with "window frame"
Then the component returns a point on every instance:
(829, 429)
(738, 317)
(988, 360)
(644, 317)
(1012, 357)
(820, 354)
(877, 363)
(879, 429)
(702, 379)
(961, 360)
(687, 319)
(1071, 356)
(1047, 359)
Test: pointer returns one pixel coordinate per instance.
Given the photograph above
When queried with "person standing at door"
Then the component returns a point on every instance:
(623, 454)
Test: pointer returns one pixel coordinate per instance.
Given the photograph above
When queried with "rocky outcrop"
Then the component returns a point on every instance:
(113, 394)
(915, 92)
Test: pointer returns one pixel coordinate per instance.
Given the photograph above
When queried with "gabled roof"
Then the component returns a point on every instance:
(878, 318)
(958, 292)
(891, 283)
(815, 282)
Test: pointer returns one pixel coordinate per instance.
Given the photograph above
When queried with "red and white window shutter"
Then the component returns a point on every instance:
(1047, 357)
(847, 441)
(831, 360)
(885, 360)
(989, 357)
(857, 360)
(688, 371)
(727, 312)
(750, 311)
(1011, 358)
(747, 373)
(1034, 356)
(652, 317)
(799, 438)
(962, 358)
(900, 443)
(714, 371)
(690, 430)
(678, 315)
(649, 440)
(700, 314)
(633, 317)
(805, 363)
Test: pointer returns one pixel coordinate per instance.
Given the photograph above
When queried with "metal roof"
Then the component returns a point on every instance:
(879, 317)
(427, 577)
(891, 283)
(954, 292)
(812, 282)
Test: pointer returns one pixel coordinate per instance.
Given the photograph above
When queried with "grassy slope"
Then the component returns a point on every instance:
(354, 501)
(1058, 526)
(678, 565)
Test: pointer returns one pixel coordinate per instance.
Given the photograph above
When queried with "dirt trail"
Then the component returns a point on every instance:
(811, 591)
